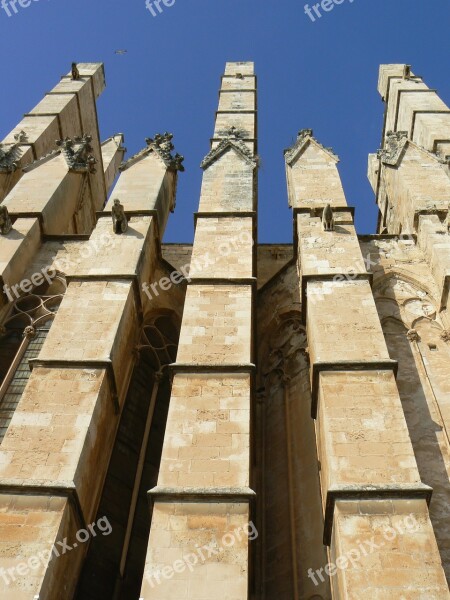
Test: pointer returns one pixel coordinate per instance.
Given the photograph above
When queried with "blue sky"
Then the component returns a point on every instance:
(320, 75)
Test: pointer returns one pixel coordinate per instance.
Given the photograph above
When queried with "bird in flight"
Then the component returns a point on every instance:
(120, 51)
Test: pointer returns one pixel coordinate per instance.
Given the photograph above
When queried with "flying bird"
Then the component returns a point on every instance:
(120, 51)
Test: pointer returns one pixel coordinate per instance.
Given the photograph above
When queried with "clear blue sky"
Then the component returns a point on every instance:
(320, 75)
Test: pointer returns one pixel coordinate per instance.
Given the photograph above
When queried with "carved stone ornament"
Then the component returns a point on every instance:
(445, 335)
(232, 137)
(287, 352)
(29, 332)
(303, 136)
(327, 218)
(78, 153)
(395, 142)
(162, 143)
(5, 220)
(232, 132)
(413, 335)
(120, 221)
(11, 153)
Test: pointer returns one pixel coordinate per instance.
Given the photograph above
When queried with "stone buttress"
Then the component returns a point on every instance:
(58, 437)
(368, 472)
(199, 539)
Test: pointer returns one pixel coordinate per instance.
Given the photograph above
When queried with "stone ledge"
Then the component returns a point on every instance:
(405, 491)
(310, 210)
(367, 237)
(206, 495)
(194, 369)
(27, 487)
(129, 213)
(66, 237)
(225, 214)
(248, 111)
(222, 281)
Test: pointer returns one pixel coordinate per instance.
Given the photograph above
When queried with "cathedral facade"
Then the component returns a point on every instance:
(223, 419)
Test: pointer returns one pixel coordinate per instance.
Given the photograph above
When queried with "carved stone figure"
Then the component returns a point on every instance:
(395, 141)
(78, 153)
(162, 143)
(5, 220)
(29, 332)
(75, 71)
(445, 335)
(413, 335)
(10, 153)
(120, 222)
(327, 218)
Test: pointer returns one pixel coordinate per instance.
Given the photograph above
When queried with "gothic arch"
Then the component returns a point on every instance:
(398, 295)
(283, 351)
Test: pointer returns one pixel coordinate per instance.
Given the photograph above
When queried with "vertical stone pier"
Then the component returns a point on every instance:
(199, 540)
(56, 448)
(369, 477)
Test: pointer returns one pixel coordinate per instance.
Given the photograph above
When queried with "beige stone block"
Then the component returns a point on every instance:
(364, 454)
(386, 556)
(67, 451)
(223, 248)
(26, 547)
(218, 343)
(190, 569)
(228, 184)
(343, 323)
(16, 252)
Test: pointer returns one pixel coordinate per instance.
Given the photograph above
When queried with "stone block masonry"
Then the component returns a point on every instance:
(203, 490)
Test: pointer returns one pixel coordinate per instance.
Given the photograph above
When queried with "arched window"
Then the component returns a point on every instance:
(23, 335)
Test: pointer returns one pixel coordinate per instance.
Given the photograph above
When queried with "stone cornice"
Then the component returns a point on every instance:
(197, 494)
